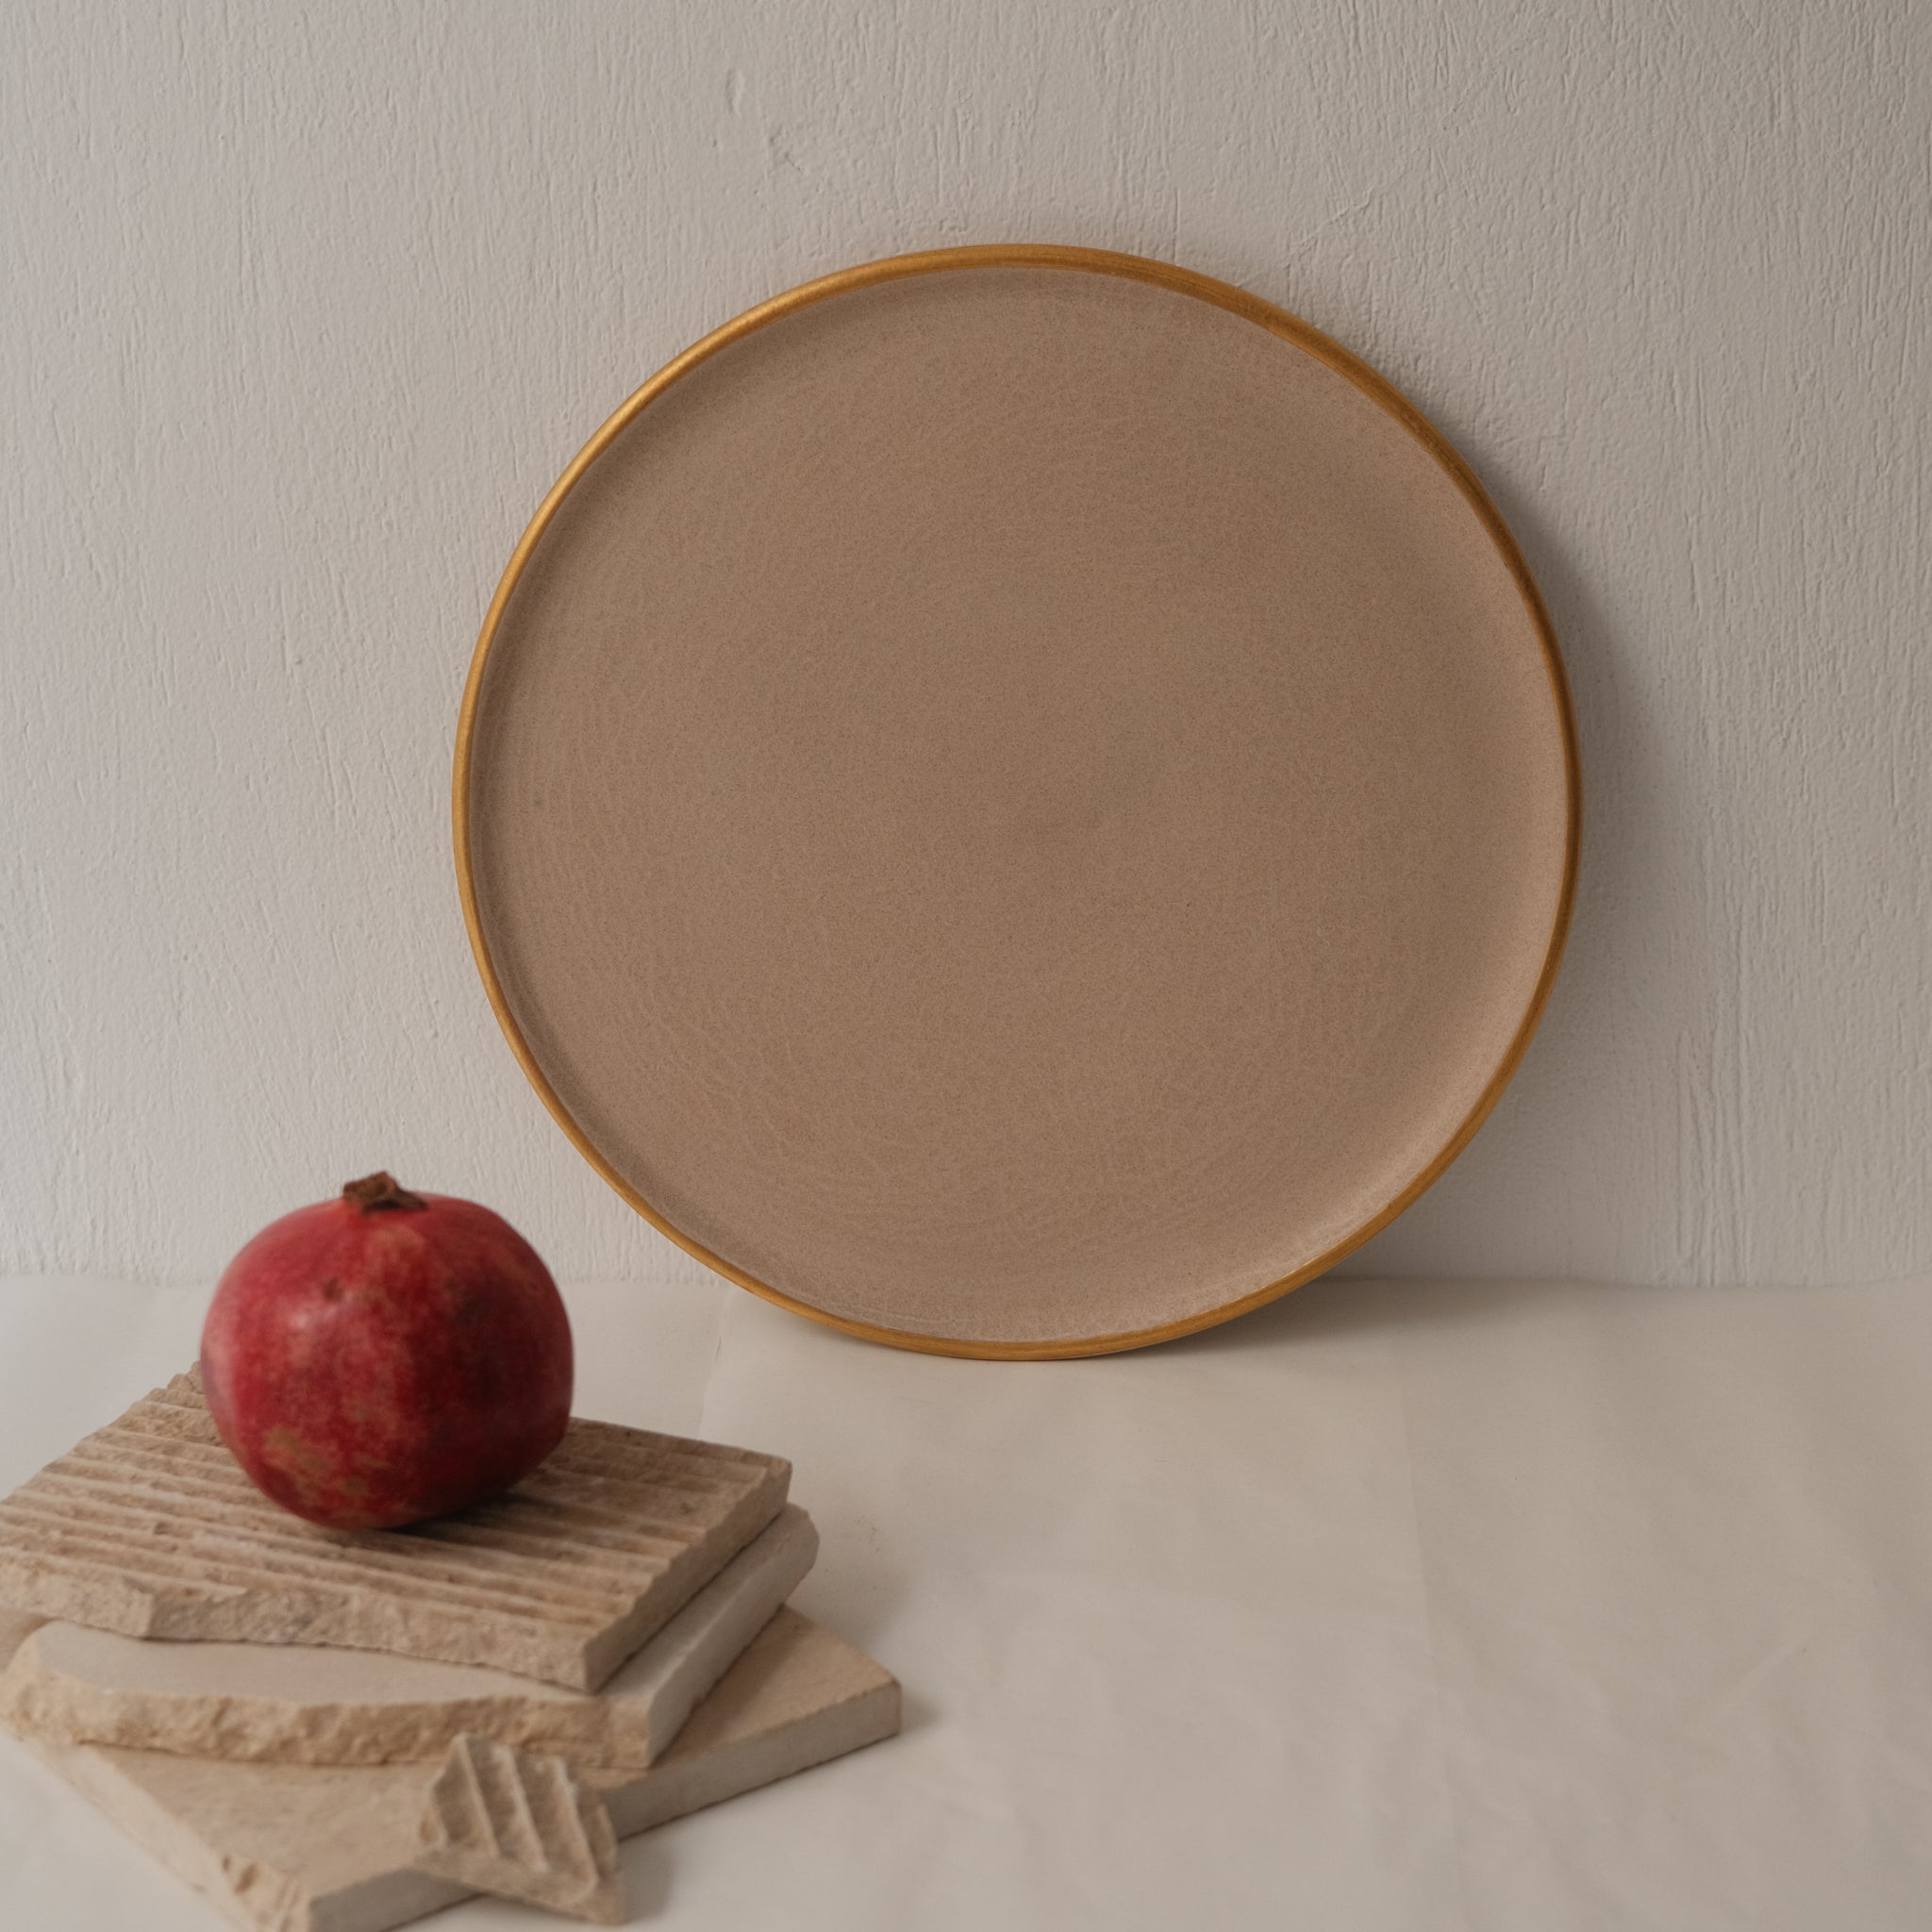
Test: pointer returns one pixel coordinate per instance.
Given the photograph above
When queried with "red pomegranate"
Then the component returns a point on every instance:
(386, 1357)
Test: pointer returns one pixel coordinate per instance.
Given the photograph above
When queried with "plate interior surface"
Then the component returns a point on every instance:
(1018, 808)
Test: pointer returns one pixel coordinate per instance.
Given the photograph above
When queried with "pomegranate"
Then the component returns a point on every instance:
(386, 1357)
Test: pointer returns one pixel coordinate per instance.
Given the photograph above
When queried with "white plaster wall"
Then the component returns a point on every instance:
(306, 307)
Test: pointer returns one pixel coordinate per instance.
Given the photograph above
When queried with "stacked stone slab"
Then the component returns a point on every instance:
(353, 1729)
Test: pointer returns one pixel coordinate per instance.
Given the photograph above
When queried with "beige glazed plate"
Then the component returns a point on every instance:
(1016, 801)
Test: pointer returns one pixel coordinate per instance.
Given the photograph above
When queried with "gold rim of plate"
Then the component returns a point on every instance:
(1289, 328)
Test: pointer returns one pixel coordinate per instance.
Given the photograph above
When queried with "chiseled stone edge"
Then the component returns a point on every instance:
(627, 1726)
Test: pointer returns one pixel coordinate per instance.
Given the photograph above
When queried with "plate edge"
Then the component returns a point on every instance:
(1279, 321)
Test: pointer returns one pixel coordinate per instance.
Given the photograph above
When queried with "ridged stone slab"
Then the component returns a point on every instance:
(150, 1527)
(304, 1703)
(522, 1827)
(320, 1848)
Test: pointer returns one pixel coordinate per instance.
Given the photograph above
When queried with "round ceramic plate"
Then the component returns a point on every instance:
(1017, 801)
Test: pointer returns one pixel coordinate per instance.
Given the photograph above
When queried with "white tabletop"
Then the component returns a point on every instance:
(1499, 1609)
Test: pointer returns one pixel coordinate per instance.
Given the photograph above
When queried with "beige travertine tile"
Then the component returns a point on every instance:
(303, 1703)
(323, 1848)
(149, 1527)
(523, 1827)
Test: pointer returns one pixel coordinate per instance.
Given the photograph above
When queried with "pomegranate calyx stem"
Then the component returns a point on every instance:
(376, 1190)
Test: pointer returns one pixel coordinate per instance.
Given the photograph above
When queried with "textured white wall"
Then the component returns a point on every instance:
(305, 308)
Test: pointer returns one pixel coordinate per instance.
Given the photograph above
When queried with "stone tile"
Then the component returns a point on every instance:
(149, 1527)
(304, 1703)
(323, 1848)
